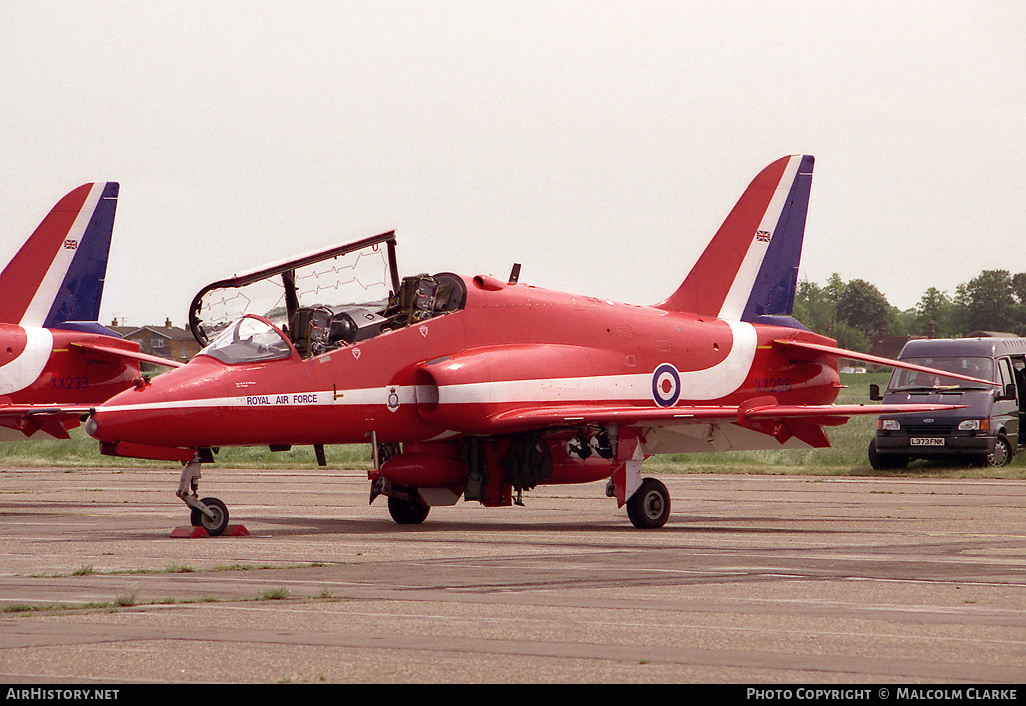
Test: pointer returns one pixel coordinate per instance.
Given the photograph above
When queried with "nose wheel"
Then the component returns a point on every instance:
(214, 523)
(209, 513)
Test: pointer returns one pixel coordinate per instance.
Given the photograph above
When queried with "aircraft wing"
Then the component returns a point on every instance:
(110, 354)
(763, 413)
(52, 420)
(570, 415)
(755, 413)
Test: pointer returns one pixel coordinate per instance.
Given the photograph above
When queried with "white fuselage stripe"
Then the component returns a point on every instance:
(30, 363)
(699, 385)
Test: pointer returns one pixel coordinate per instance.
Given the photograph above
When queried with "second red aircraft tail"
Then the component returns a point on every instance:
(58, 274)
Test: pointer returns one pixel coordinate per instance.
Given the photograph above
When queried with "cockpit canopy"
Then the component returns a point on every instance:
(323, 300)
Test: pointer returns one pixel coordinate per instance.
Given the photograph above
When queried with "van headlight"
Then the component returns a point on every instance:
(888, 425)
(974, 425)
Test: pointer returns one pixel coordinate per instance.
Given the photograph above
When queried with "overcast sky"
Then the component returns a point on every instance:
(600, 144)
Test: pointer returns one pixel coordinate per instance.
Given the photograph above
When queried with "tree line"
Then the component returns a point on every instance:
(856, 313)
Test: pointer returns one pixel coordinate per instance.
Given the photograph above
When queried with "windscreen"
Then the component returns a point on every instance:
(362, 273)
(982, 368)
(248, 340)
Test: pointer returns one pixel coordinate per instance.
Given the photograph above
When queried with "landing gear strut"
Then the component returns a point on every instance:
(209, 513)
(647, 499)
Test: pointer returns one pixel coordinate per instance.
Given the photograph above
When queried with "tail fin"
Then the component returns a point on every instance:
(58, 274)
(750, 268)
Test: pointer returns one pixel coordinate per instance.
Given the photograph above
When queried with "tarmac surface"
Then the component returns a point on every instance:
(755, 579)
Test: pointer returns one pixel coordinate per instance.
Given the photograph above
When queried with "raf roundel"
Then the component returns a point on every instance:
(666, 385)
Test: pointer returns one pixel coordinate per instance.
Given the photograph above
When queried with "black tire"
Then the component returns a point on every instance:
(886, 462)
(874, 458)
(649, 507)
(213, 525)
(407, 512)
(1002, 453)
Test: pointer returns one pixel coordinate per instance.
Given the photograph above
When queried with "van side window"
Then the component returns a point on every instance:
(1018, 369)
(1019, 375)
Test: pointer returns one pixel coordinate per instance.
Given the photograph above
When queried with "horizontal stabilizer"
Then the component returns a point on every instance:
(27, 419)
(110, 354)
(817, 349)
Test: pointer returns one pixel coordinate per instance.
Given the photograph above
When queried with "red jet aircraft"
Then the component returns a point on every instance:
(484, 388)
(56, 361)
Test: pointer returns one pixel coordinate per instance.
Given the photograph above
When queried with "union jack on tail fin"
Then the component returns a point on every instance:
(750, 267)
(58, 274)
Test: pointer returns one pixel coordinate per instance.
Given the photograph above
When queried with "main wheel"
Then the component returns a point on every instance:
(213, 525)
(649, 507)
(407, 512)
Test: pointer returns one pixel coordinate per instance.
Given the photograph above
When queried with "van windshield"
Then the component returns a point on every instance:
(982, 368)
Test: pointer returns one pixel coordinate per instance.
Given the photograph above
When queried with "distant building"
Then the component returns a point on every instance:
(890, 346)
(166, 341)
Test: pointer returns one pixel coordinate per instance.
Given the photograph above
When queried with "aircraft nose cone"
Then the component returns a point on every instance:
(103, 425)
(179, 409)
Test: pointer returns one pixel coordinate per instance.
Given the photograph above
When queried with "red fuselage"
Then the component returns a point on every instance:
(50, 377)
(44, 367)
(459, 373)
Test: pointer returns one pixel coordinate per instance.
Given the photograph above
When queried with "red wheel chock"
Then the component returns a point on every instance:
(198, 532)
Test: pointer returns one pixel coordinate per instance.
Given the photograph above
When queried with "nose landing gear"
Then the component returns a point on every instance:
(209, 513)
(216, 521)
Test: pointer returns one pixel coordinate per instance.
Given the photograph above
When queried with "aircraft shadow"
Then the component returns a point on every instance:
(305, 526)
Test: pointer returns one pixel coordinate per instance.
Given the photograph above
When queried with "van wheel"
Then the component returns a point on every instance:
(887, 461)
(1002, 453)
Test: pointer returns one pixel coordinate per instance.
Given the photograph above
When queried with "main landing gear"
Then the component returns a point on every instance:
(649, 507)
(647, 499)
(494, 470)
(209, 513)
(407, 512)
